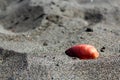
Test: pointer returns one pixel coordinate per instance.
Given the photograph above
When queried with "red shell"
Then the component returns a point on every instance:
(83, 51)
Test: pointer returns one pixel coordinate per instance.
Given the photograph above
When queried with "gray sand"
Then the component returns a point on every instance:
(34, 35)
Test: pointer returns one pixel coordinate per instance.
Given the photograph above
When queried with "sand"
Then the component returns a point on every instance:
(34, 35)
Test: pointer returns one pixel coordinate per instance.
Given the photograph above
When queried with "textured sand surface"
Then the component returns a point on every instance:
(34, 35)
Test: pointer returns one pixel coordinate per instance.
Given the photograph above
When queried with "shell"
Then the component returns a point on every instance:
(83, 51)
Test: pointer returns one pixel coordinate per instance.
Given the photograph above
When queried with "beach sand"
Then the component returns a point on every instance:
(34, 35)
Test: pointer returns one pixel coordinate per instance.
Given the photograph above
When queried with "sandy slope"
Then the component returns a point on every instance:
(34, 35)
